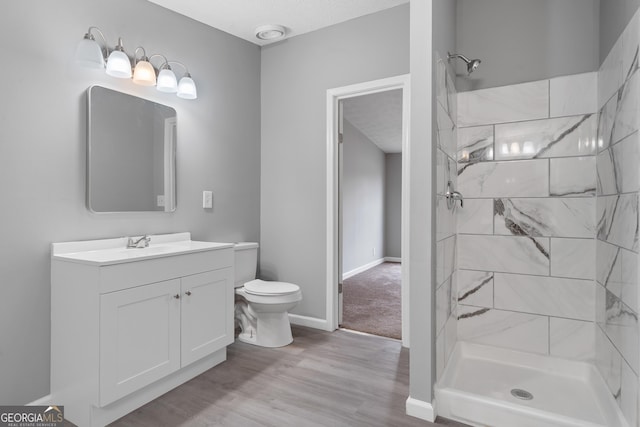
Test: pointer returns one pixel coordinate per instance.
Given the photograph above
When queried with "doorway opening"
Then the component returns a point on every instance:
(368, 205)
(369, 209)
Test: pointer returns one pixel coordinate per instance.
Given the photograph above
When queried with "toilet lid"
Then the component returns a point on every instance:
(262, 287)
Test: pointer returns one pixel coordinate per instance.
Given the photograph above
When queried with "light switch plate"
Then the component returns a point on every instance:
(207, 199)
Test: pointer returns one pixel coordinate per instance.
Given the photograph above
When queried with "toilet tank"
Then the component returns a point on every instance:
(245, 262)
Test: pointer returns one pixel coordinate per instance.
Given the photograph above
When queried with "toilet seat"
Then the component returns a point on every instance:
(266, 288)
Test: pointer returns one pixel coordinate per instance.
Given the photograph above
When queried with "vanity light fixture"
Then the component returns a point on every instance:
(118, 64)
(270, 32)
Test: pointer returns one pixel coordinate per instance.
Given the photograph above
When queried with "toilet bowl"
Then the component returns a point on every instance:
(261, 308)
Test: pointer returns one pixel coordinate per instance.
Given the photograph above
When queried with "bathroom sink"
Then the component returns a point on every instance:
(114, 251)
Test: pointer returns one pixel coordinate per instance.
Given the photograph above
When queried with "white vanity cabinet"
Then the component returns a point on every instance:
(130, 324)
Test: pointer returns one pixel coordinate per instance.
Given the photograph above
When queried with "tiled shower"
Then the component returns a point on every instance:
(543, 257)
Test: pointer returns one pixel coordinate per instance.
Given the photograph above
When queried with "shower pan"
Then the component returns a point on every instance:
(490, 386)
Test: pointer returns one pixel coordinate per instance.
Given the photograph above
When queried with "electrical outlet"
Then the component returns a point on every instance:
(207, 199)
(160, 200)
(374, 251)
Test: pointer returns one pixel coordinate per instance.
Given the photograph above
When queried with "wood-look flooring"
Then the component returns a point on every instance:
(323, 379)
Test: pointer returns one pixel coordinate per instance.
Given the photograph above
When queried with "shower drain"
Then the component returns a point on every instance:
(521, 394)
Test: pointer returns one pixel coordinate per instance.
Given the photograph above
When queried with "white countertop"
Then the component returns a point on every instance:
(114, 251)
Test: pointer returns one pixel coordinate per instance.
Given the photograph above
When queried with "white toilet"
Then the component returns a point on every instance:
(262, 307)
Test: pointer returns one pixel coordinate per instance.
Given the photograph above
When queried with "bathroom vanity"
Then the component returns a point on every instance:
(128, 325)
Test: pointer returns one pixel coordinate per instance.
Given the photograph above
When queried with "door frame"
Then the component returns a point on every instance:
(334, 96)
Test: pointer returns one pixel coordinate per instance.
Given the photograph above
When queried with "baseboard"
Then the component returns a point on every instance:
(392, 259)
(44, 400)
(420, 409)
(310, 322)
(362, 268)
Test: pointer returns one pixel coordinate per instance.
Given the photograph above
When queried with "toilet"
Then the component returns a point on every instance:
(261, 308)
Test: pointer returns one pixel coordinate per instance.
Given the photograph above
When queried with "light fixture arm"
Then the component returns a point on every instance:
(120, 47)
(164, 64)
(186, 70)
(142, 58)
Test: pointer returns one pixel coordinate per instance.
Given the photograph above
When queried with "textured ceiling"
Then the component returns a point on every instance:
(241, 17)
(379, 117)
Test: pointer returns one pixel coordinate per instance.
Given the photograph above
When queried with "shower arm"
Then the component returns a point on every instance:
(457, 55)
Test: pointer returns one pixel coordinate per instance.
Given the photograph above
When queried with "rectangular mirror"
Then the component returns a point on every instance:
(131, 153)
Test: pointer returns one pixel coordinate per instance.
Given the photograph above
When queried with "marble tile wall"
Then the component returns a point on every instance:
(617, 189)
(446, 169)
(526, 235)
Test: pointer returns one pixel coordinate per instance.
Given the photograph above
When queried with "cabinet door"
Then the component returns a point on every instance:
(207, 313)
(139, 337)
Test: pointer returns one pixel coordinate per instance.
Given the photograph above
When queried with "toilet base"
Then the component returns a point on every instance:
(271, 330)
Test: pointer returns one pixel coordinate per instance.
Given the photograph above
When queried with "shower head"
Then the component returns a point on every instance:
(472, 64)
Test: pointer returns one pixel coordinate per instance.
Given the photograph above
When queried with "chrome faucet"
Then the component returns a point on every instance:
(142, 242)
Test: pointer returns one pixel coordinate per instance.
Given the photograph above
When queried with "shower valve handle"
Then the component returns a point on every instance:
(453, 196)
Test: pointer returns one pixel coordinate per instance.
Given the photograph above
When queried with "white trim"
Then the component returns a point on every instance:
(420, 409)
(392, 259)
(310, 322)
(362, 268)
(44, 400)
(405, 226)
(333, 97)
(170, 130)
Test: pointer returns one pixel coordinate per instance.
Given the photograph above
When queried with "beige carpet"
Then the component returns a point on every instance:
(372, 301)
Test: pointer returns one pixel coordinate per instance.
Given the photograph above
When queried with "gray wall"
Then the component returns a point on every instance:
(524, 40)
(43, 153)
(445, 29)
(363, 200)
(614, 17)
(393, 205)
(296, 74)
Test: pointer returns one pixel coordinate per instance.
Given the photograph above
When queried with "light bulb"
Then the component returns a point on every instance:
(144, 74)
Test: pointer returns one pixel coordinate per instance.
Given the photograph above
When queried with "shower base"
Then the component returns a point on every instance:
(489, 386)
